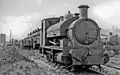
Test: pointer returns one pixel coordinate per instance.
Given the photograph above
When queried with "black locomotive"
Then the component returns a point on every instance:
(72, 39)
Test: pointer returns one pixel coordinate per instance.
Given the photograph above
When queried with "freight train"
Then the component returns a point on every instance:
(72, 39)
(32, 41)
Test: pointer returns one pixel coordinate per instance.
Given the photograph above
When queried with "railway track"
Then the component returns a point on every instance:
(107, 70)
(51, 69)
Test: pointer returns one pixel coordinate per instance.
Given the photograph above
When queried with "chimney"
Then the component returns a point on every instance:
(83, 11)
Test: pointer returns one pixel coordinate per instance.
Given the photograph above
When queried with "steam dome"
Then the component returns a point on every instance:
(68, 15)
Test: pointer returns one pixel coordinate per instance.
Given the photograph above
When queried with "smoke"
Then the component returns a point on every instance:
(108, 12)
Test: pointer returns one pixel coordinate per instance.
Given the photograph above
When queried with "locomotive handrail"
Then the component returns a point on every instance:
(53, 42)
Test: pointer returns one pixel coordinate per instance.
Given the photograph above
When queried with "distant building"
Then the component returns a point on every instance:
(2, 38)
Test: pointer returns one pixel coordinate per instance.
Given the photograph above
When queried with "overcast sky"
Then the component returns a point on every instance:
(22, 16)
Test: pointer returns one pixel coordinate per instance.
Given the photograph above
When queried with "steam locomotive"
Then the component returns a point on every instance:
(112, 43)
(72, 39)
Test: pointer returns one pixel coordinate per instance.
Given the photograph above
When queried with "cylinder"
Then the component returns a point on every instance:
(83, 10)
